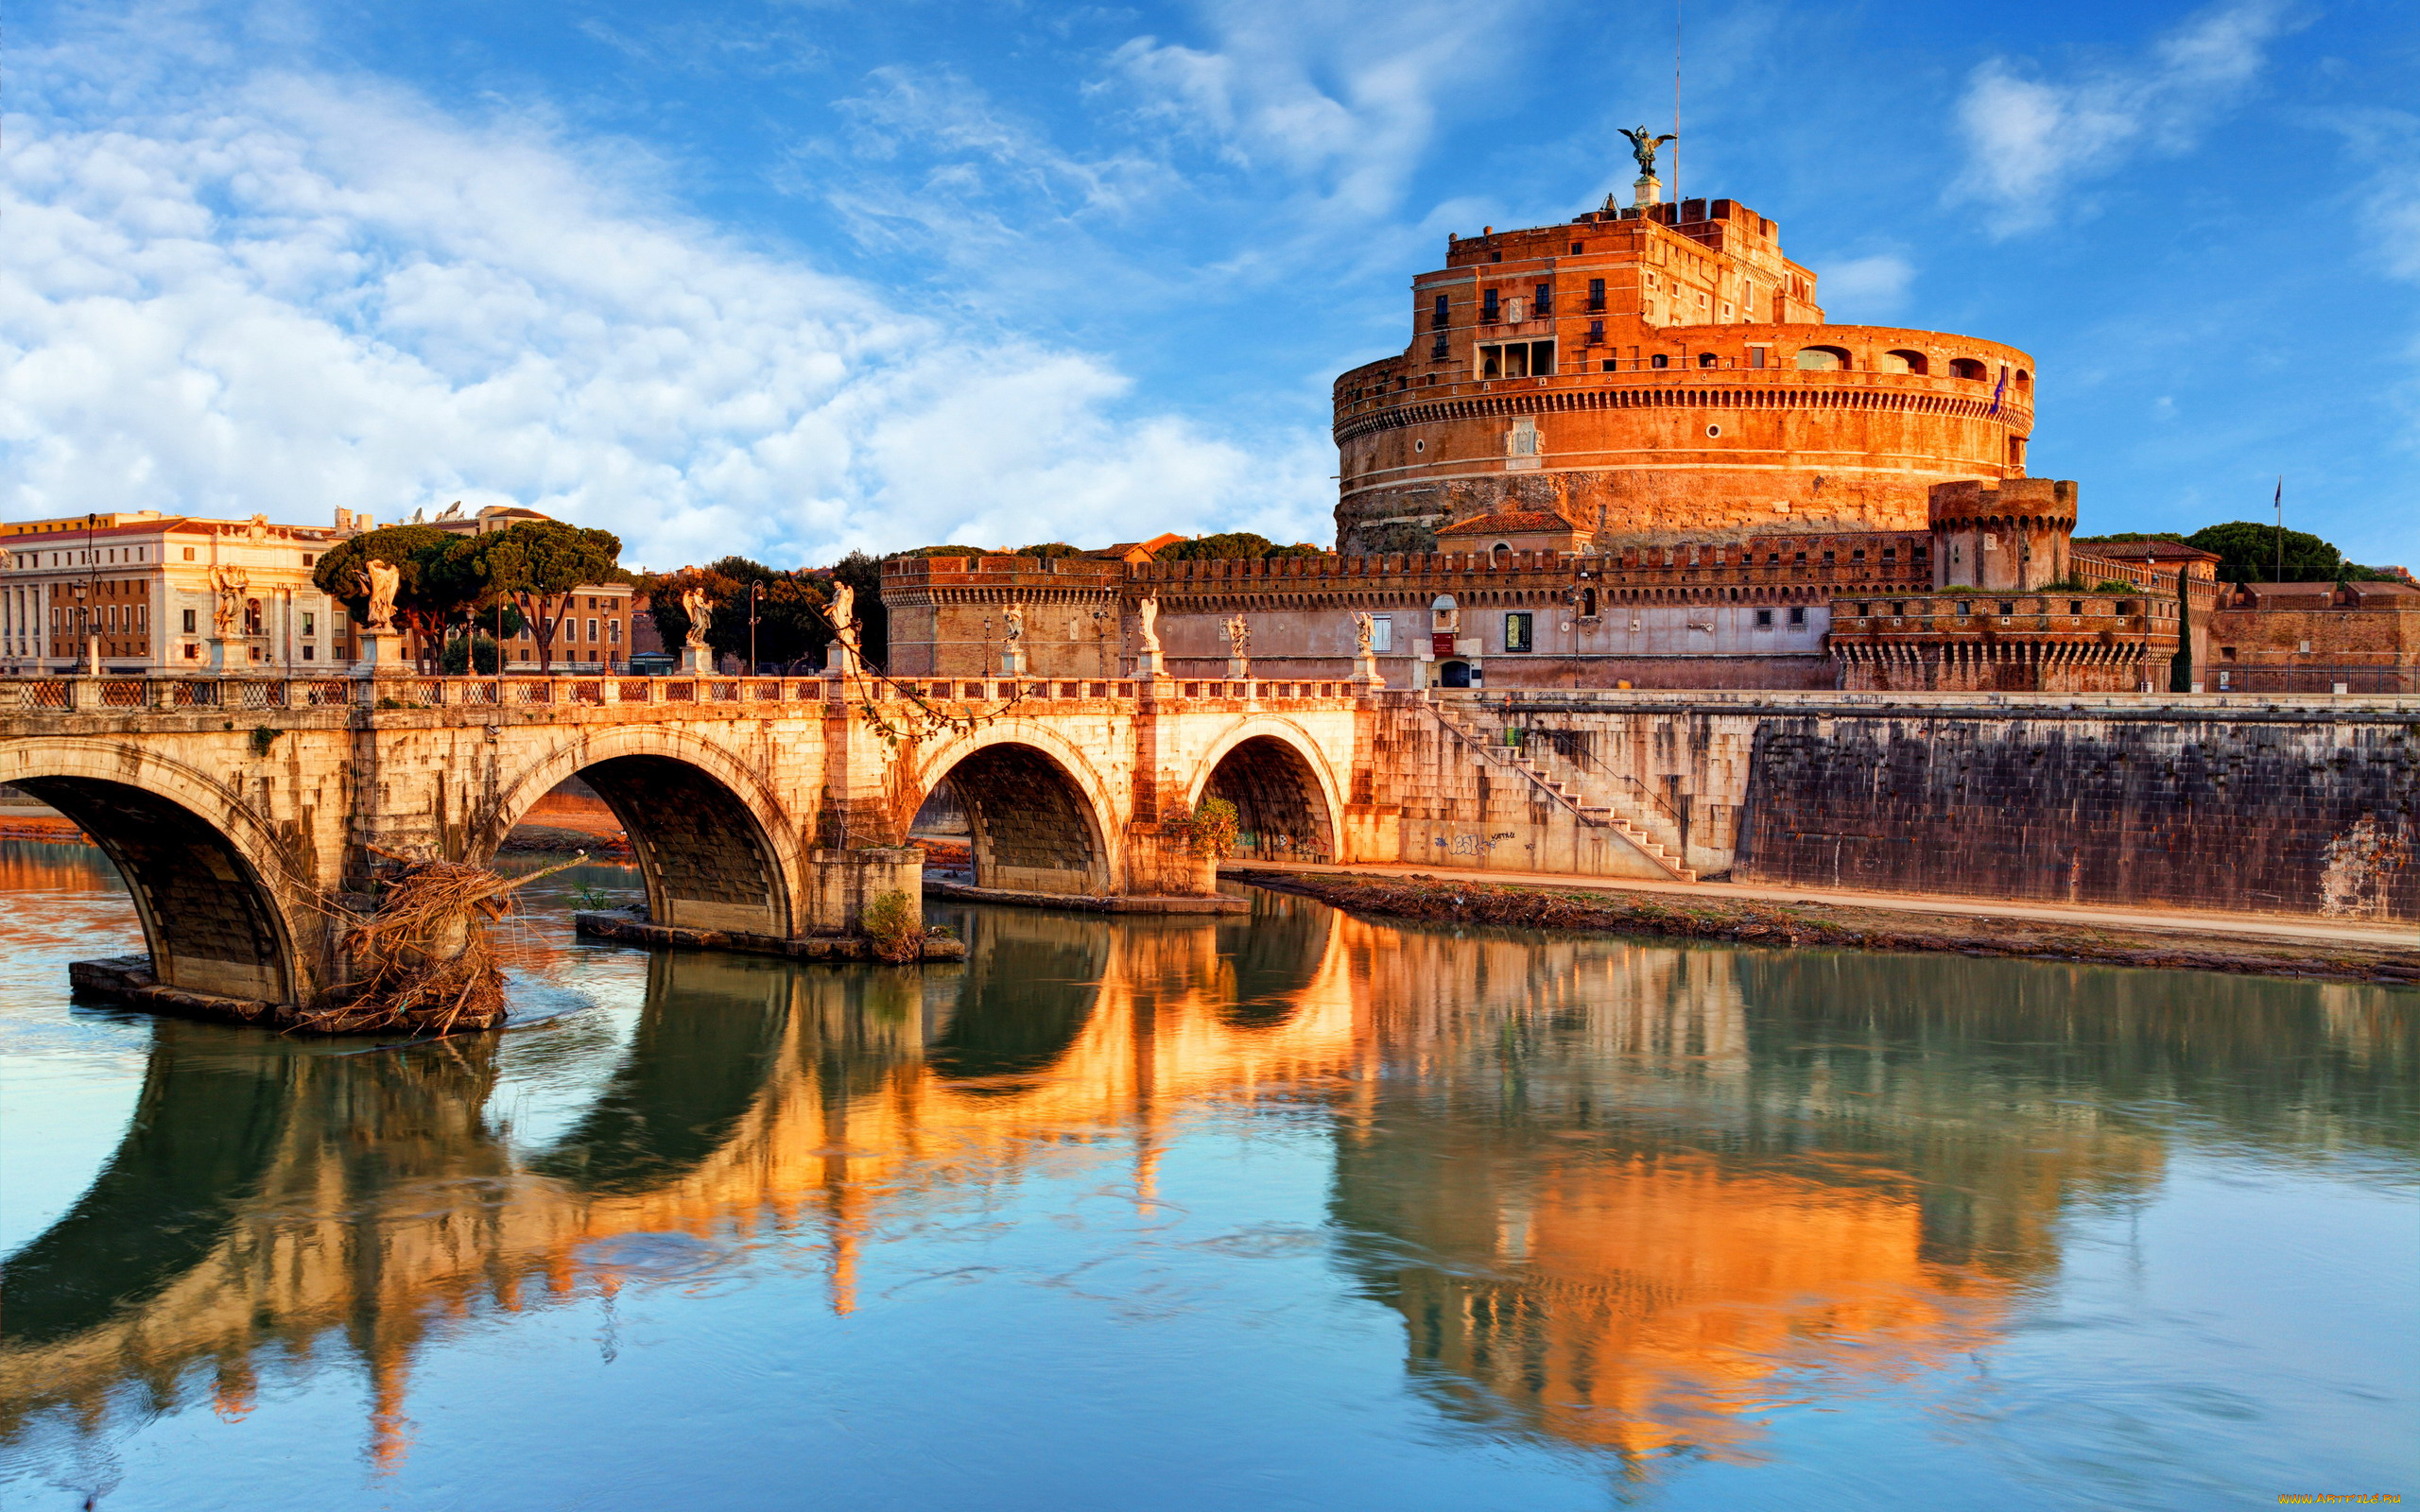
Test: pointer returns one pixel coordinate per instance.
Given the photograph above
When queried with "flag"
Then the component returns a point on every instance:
(1997, 389)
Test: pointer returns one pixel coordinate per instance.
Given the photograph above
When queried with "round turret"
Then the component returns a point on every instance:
(1661, 373)
(2011, 534)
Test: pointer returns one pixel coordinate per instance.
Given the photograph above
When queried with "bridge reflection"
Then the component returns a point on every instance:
(1622, 1196)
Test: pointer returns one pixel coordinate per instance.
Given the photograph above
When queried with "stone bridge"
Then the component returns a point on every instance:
(244, 812)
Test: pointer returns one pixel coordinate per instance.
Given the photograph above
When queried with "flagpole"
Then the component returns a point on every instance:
(2280, 502)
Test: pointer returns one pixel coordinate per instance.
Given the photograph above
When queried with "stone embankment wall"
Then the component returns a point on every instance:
(2303, 806)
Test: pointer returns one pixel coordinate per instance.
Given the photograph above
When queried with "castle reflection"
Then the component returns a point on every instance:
(1624, 1196)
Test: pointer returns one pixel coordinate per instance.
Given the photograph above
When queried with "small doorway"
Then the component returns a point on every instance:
(1454, 674)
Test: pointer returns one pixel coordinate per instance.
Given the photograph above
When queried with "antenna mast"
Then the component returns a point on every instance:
(1676, 112)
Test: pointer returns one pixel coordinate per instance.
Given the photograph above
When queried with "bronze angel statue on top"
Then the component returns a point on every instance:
(1643, 146)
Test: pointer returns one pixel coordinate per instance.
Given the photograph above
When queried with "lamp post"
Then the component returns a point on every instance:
(89, 615)
(754, 589)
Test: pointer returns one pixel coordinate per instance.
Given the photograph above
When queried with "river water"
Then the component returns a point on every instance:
(1293, 1211)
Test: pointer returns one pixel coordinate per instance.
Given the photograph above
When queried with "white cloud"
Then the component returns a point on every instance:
(2028, 140)
(1865, 288)
(290, 293)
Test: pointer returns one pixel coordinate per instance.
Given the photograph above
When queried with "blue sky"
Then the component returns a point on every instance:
(796, 278)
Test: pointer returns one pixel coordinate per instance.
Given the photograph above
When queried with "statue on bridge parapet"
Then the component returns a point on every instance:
(699, 607)
(380, 581)
(1154, 667)
(1238, 648)
(843, 618)
(1365, 665)
(1012, 655)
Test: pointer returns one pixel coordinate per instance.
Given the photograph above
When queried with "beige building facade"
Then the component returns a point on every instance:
(143, 592)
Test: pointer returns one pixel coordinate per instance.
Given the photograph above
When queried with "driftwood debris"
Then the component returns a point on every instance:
(422, 962)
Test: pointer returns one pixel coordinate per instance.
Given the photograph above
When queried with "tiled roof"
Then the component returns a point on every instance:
(1512, 522)
(2148, 550)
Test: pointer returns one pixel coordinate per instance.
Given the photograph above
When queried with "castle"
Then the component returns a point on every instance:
(1659, 375)
(1629, 451)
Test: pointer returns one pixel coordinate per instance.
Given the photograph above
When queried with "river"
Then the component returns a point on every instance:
(1297, 1211)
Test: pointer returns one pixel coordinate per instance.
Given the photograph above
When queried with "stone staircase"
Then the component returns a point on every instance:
(1583, 805)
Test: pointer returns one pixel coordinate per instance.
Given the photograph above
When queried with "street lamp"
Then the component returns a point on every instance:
(91, 637)
(754, 589)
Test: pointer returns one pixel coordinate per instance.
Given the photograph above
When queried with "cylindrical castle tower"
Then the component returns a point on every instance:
(1660, 373)
(2011, 536)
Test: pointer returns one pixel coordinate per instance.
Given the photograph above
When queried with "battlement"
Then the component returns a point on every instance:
(1992, 500)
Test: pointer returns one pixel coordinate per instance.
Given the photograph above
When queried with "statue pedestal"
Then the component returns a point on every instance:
(1239, 669)
(1013, 662)
(1153, 666)
(1366, 674)
(1646, 190)
(697, 662)
(382, 655)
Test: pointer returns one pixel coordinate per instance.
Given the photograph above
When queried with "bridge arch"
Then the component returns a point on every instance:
(210, 880)
(713, 844)
(1035, 810)
(1285, 798)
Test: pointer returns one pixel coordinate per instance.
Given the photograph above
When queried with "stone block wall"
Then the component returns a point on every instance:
(2306, 815)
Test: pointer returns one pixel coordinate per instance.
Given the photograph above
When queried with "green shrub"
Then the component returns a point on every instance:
(1210, 829)
(890, 925)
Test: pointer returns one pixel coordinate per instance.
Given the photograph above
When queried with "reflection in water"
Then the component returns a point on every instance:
(1625, 1200)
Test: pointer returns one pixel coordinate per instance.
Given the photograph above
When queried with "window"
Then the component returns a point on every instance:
(1827, 559)
(1890, 553)
(1797, 618)
(1898, 608)
(1966, 368)
(2006, 610)
(1611, 364)
(1543, 306)
(1764, 619)
(1757, 357)
(1596, 294)
(188, 622)
(308, 557)
(310, 623)
(1901, 361)
(1799, 558)
(1706, 359)
(2075, 606)
(1382, 632)
(1437, 349)
(1857, 555)
(1438, 313)
(188, 553)
(1516, 631)
(592, 625)
(1488, 308)
(1822, 359)
(1964, 607)
(1577, 248)
(613, 631)
(1596, 332)
(310, 653)
(1660, 360)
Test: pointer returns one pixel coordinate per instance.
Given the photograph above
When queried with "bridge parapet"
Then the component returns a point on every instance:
(666, 697)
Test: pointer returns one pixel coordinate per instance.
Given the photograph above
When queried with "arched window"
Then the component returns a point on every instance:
(2024, 382)
(1966, 368)
(1902, 360)
(1501, 551)
(1822, 359)
(1443, 615)
(1707, 359)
